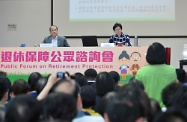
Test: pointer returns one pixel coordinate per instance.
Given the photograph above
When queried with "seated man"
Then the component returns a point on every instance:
(55, 39)
(119, 36)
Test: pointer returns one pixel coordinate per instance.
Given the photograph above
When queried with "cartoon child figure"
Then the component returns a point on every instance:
(124, 60)
(135, 56)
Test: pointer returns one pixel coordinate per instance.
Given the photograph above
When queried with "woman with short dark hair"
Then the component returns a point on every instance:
(156, 75)
(119, 36)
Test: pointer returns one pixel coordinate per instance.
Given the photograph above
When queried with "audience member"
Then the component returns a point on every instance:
(60, 106)
(4, 88)
(180, 97)
(90, 75)
(136, 83)
(23, 108)
(67, 86)
(156, 75)
(19, 87)
(3, 74)
(116, 77)
(106, 99)
(137, 97)
(32, 80)
(181, 74)
(40, 84)
(168, 93)
(172, 115)
(104, 84)
(88, 96)
(122, 110)
(82, 81)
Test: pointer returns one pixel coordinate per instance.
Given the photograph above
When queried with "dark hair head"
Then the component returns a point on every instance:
(2, 74)
(88, 96)
(115, 75)
(180, 97)
(4, 86)
(20, 86)
(82, 81)
(138, 97)
(117, 25)
(78, 74)
(23, 108)
(172, 115)
(124, 55)
(71, 87)
(136, 83)
(168, 93)
(90, 74)
(60, 106)
(104, 83)
(53, 26)
(121, 111)
(156, 54)
(33, 79)
(40, 84)
(105, 101)
(181, 74)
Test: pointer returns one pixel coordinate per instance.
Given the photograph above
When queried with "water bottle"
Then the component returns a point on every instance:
(135, 40)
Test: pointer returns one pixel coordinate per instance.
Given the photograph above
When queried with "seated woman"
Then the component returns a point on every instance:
(119, 36)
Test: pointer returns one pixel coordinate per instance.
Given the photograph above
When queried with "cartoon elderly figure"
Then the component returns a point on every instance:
(124, 60)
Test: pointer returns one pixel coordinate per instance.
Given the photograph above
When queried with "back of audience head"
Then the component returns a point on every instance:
(69, 87)
(181, 74)
(115, 75)
(60, 106)
(105, 101)
(121, 110)
(136, 83)
(104, 83)
(138, 97)
(65, 86)
(172, 115)
(156, 54)
(33, 79)
(88, 96)
(41, 84)
(180, 97)
(82, 81)
(23, 108)
(2, 74)
(90, 74)
(19, 87)
(168, 93)
(4, 89)
(78, 74)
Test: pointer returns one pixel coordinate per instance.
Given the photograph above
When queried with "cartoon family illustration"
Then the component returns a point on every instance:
(124, 60)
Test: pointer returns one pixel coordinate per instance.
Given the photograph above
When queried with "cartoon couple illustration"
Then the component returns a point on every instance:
(124, 59)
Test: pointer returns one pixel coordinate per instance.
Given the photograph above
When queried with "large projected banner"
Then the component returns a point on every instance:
(23, 61)
(108, 10)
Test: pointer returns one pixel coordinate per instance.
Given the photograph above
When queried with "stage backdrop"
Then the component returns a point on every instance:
(21, 61)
